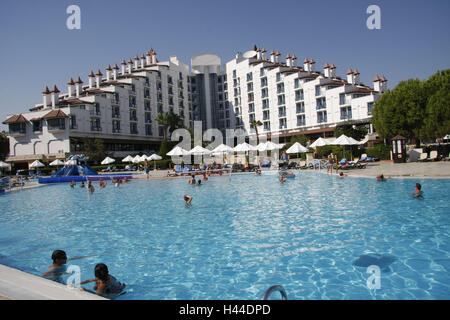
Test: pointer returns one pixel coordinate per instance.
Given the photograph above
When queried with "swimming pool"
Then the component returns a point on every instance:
(315, 235)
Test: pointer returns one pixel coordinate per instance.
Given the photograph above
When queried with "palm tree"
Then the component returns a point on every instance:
(170, 121)
(164, 120)
(255, 124)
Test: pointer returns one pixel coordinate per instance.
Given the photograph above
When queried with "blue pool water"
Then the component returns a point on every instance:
(315, 235)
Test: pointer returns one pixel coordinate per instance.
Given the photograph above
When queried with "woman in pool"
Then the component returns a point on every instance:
(282, 179)
(82, 184)
(72, 184)
(90, 187)
(102, 183)
(105, 284)
(418, 193)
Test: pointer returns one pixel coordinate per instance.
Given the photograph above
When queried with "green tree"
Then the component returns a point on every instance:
(437, 121)
(94, 149)
(164, 120)
(402, 111)
(358, 133)
(4, 146)
(255, 124)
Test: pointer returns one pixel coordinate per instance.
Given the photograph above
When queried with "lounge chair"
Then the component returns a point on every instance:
(303, 165)
(433, 156)
(423, 157)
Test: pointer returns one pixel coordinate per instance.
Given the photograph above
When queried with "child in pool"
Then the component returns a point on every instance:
(187, 200)
(418, 193)
(105, 284)
(82, 184)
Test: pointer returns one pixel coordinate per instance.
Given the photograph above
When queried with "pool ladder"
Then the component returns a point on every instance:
(272, 289)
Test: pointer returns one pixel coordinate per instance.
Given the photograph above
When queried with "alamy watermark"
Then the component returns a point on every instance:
(374, 281)
(374, 20)
(74, 20)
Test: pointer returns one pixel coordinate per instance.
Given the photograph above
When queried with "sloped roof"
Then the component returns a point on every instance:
(17, 118)
(55, 114)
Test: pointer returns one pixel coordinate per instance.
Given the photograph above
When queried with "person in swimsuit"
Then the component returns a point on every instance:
(102, 183)
(105, 284)
(187, 200)
(418, 193)
(58, 268)
(90, 187)
(382, 178)
(72, 184)
(82, 184)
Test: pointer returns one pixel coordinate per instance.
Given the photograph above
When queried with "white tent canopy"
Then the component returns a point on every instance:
(57, 162)
(343, 140)
(244, 147)
(136, 159)
(4, 164)
(108, 160)
(296, 148)
(37, 164)
(177, 151)
(199, 150)
(319, 143)
(154, 157)
(127, 159)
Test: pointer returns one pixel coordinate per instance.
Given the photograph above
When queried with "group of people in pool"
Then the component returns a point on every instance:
(101, 183)
(194, 182)
(106, 285)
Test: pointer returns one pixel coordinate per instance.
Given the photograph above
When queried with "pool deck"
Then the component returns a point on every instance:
(18, 285)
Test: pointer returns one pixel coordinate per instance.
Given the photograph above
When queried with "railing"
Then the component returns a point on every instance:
(272, 289)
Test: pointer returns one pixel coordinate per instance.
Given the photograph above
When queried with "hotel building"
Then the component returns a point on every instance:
(120, 106)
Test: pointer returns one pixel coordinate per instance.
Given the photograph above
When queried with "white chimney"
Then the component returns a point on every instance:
(263, 54)
(294, 60)
(98, 78)
(377, 84)
(153, 54)
(383, 84)
(288, 60)
(333, 71)
(306, 65)
(277, 57)
(130, 65)
(326, 70)
(108, 73)
(70, 87)
(136, 63)
(272, 56)
(78, 87)
(350, 76)
(258, 54)
(356, 76)
(55, 97)
(115, 70)
(45, 97)
(148, 58)
(91, 79)
(142, 61)
(312, 65)
(124, 65)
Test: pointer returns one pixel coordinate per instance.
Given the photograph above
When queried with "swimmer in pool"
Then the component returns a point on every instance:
(382, 178)
(418, 193)
(58, 268)
(102, 183)
(187, 200)
(282, 179)
(90, 187)
(342, 175)
(72, 184)
(199, 183)
(82, 184)
(106, 285)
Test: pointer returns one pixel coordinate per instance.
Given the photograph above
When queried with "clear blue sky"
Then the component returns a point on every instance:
(37, 49)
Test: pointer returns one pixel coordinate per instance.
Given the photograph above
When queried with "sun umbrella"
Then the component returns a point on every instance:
(269, 146)
(136, 159)
(154, 157)
(178, 151)
(296, 148)
(108, 160)
(57, 162)
(343, 140)
(143, 158)
(3, 165)
(319, 143)
(243, 147)
(37, 164)
(127, 159)
(199, 150)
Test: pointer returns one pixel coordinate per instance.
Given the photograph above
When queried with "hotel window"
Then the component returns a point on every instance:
(219, 79)
(250, 76)
(170, 90)
(251, 97)
(160, 108)
(20, 127)
(283, 123)
(263, 82)
(250, 87)
(234, 73)
(280, 88)
(266, 115)
(278, 76)
(95, 125)
(219, 88)
(265, 104)
(228, 123)
(281, 99)
(300, 107)
(342, 98)
(115, 112)
(346, 113)
(227, 114)
(267, 126)
(251, 107)
(148, 130)
(321, 103)
(116, 98)
(262, 72)
(318, 90)
(37, 125)
(148, 117)
(169, 79)
(147, 105)
(282, 112)
(264, 93)
(321, 116)
(146, 93)
(251, 117)
(72, 122)
(147, 82)
(299, 95)
(116, 126)
(369, 108)
(133, 88)
(133, 128)
(296, 83)
(300, 120)
(132, 102)
(170, 101)
(133, 116)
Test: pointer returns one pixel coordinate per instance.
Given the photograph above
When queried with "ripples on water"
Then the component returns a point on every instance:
(241, 236)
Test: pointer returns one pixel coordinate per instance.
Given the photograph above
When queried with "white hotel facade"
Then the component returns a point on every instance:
(120, 106)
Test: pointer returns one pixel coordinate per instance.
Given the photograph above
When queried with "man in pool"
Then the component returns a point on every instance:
(418, 193)
(58, 268)
(90, 187)
(382, 178)
(187, 200)
(82, 184)
(199, 183)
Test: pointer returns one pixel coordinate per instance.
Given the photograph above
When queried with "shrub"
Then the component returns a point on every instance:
(380, 151)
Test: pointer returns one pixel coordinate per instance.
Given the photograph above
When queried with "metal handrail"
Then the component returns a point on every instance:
(278, 288)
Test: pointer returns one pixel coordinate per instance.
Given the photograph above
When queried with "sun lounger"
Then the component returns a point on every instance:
(423, 157)
(433, 156)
